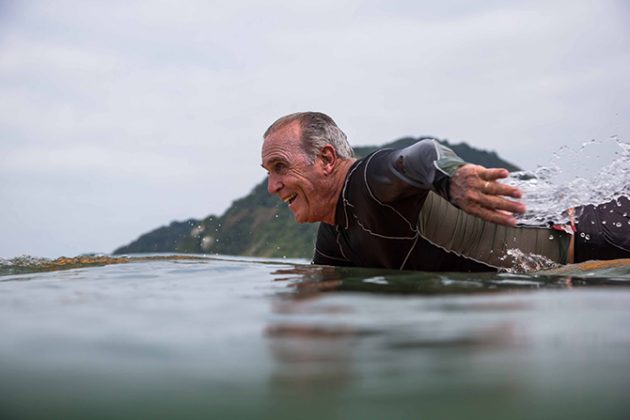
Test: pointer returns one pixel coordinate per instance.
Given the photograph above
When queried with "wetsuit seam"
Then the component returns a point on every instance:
(410, 251)
(450, 251)
(378, 235)
(329, 256)
(615, 245)
(347, 204)
(340, 247)
(345, 201)
(367, 186)
(439, 156)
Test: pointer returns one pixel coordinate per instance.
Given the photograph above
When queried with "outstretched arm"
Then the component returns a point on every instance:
(475, 190)
(429, 165)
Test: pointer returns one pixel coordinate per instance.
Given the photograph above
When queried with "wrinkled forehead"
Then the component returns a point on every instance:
(283, 141)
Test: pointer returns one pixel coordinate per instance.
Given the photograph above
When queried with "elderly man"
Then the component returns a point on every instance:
(417, 208)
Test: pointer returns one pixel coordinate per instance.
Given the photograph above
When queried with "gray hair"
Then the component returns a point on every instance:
(317, 130)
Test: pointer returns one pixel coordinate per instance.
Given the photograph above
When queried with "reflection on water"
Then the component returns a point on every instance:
(221, 337)
(307, 280)
(453, 345)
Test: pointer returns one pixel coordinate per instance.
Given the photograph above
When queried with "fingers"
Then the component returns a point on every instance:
(497, 202)
(475, 190)
(488, 177)
(491, 174)
(491, 201)
(496, 189)
(489, 207)
(493, 216)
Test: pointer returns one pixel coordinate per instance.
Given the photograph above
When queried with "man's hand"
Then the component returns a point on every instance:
(476, 191)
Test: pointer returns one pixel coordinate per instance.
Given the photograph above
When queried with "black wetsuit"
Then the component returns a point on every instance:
(603, 231)
(377, 213)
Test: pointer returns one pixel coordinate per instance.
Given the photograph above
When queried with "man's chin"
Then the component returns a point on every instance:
(299, 217)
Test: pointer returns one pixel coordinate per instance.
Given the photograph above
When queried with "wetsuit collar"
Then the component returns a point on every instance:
(341, 217)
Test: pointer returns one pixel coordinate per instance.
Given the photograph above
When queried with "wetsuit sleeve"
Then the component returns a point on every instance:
(327, 251)
(425, 165)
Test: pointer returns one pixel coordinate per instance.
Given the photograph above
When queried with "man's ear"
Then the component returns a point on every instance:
(328, 155)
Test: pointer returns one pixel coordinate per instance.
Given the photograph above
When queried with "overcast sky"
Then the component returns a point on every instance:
(117, 117)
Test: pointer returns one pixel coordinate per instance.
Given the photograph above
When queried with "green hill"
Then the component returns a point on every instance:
(261, 225)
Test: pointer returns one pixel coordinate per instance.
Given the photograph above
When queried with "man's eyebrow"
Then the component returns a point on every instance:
(271, 161)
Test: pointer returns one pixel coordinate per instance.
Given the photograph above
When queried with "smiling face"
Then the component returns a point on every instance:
(299, 183)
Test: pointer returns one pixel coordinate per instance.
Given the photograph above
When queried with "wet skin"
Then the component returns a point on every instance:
(476, 190)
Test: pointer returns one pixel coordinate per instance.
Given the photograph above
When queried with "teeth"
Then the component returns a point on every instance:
(290, 198)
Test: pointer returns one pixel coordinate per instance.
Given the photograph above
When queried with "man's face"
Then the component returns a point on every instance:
(291, 177)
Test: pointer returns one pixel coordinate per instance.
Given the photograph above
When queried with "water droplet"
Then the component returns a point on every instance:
(618, 224)
(587, 237)
(603, 222)
(582, 234)
(625, 215)
(592, 222)
(611, 211)
(276, 216)
(551, 237)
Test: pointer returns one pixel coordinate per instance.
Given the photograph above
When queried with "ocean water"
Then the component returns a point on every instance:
(221, 337)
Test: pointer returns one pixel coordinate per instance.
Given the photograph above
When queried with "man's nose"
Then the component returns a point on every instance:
(273, 184)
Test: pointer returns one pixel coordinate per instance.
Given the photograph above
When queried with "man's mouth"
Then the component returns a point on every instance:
(289, 199)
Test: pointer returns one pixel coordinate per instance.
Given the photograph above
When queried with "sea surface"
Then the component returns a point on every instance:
(217, 337)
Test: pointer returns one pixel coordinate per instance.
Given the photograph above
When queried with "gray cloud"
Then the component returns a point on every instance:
(118, 117)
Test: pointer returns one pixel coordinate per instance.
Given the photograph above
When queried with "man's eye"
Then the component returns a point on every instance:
(280, 167)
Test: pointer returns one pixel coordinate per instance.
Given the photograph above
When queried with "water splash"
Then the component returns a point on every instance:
(527, 263)
(565, 183)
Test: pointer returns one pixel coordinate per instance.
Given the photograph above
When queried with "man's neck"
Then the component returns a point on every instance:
(338, 181)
